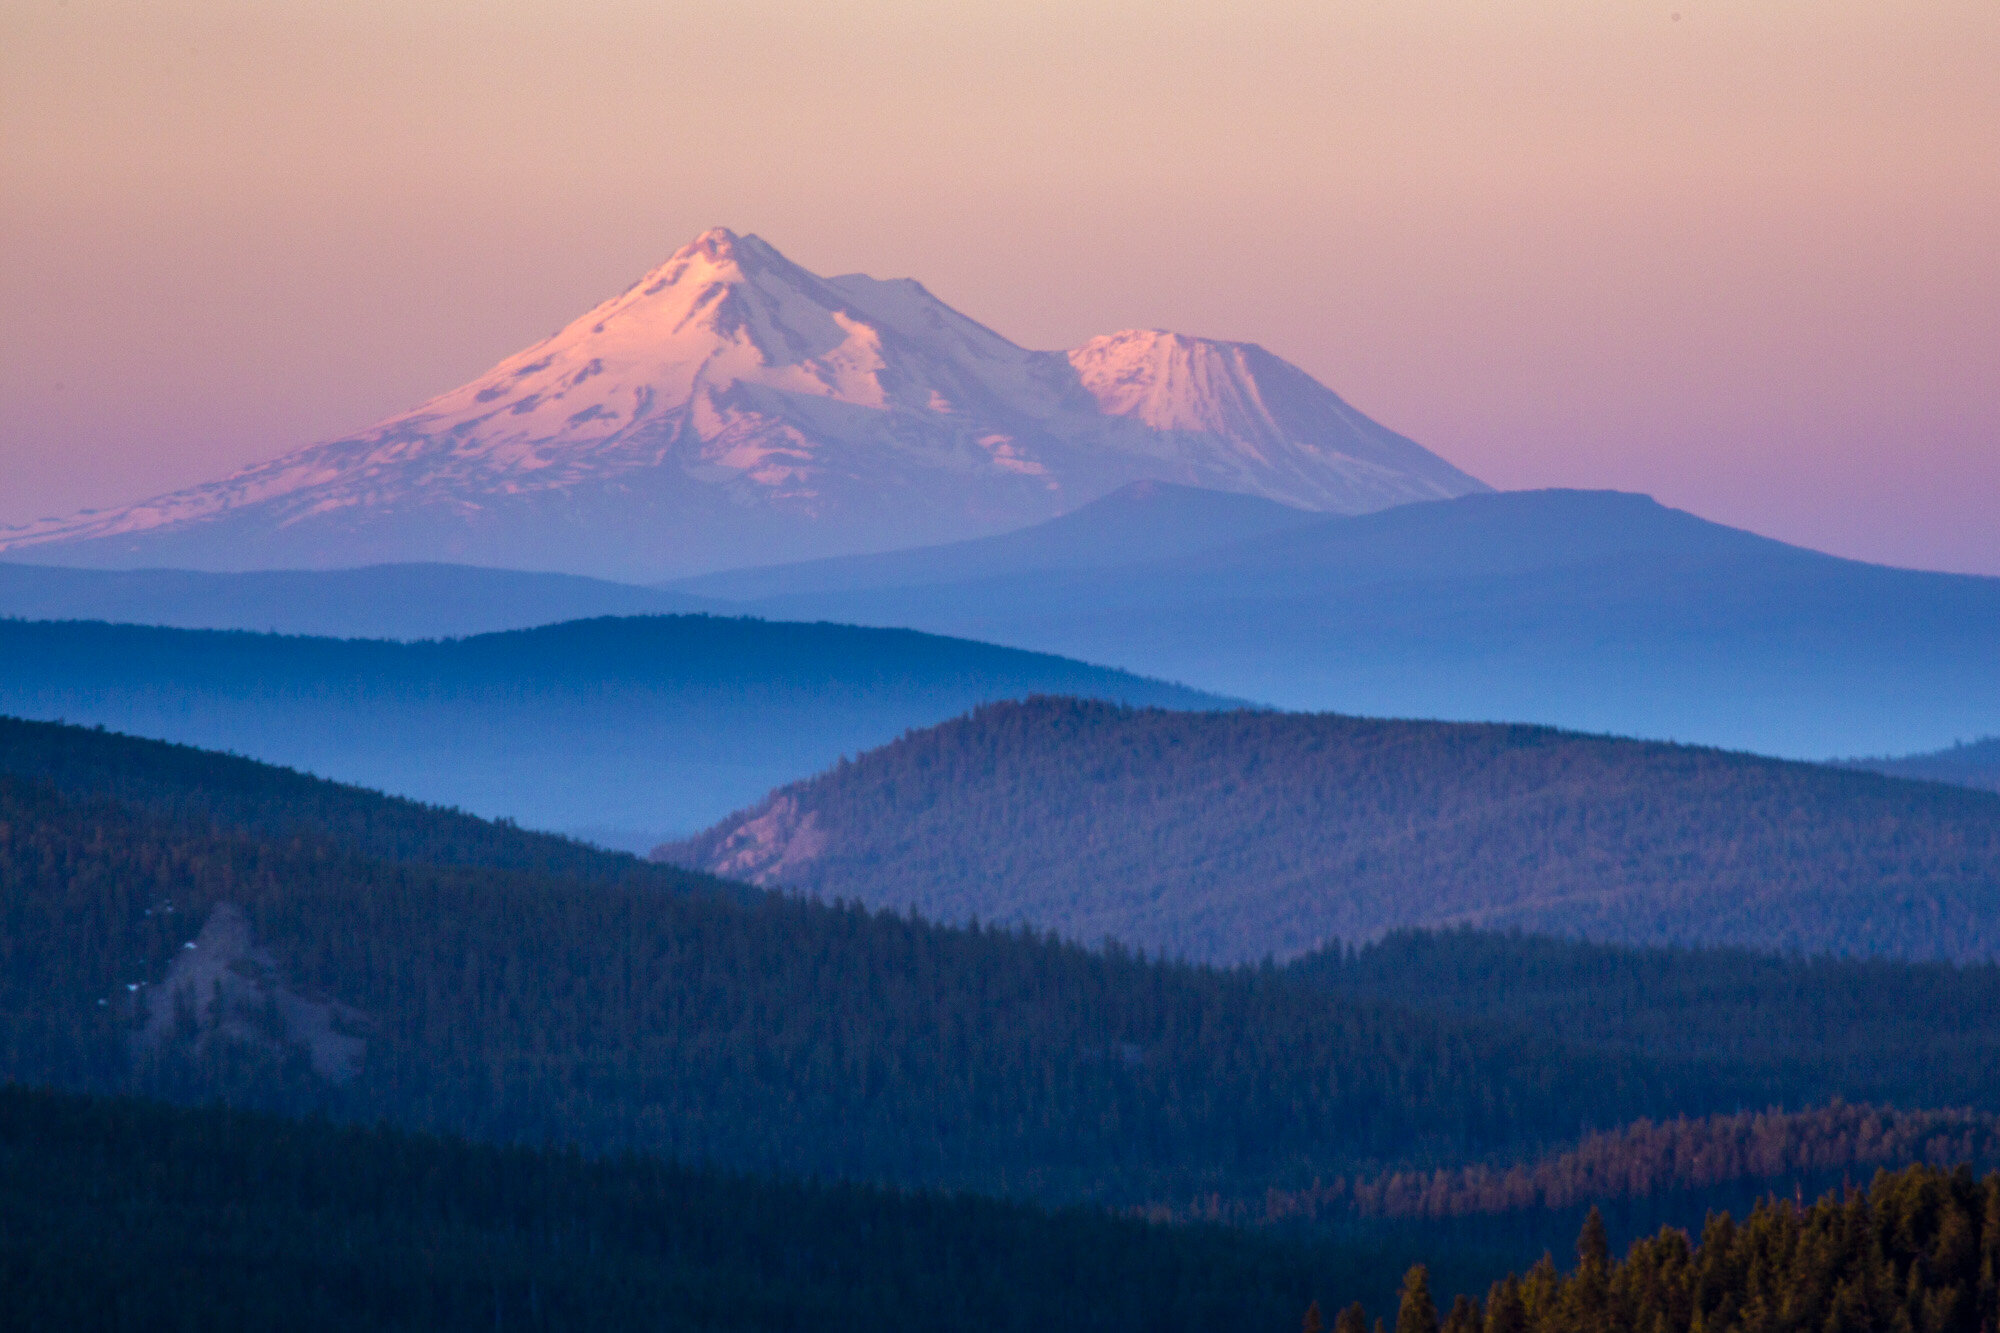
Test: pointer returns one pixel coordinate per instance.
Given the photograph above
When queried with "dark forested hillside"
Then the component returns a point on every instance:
(1235, 835)
(619, 727)
(204, 789)
(119, 1214)
(763, 1033)
(1664, 1164)
(1915, 1034)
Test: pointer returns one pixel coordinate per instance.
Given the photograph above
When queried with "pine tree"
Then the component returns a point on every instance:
(1352, 1320)
(1417, 1313)
(1464, 1317)
(1504, 1311)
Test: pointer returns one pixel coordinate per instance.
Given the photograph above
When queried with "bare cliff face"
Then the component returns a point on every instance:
(731, 408)
(768, 846)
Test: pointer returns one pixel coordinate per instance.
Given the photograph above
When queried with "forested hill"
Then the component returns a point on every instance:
(1908, 1033)
(120, 1214)
(190, 786)
(618, 727)
(1236, 835)
(143, 951)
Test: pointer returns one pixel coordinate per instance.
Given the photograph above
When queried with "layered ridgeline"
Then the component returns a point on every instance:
(123, 1214)
(624, 729)
(431, 601)
(158, 930)
(1143, 520)
(1235, 835)
(202, 926)
(1591, 610)
(731, 408)
(115, 1213)
(1636, 1180)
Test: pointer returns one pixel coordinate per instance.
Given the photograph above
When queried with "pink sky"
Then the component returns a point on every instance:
(1744, 259)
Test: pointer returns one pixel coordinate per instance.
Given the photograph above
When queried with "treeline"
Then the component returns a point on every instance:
(1767, 1151)
(762, 1033)
(1233, 836)
(1917, 1250)
(118, 1214)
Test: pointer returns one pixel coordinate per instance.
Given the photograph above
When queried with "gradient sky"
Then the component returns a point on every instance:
(1741, 254)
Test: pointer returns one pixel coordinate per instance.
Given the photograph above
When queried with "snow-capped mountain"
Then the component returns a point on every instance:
(731, 408)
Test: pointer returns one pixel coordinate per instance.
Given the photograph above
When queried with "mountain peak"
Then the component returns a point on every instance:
(731, 408)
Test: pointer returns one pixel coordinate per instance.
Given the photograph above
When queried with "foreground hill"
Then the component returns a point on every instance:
(731, 408)
(618, 727)
(378, 602)
(1590, 610)
(1235, 835)
(119, 1213)
(124, 1214)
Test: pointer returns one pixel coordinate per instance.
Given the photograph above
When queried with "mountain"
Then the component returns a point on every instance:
(731, 408)
(1597, 611)
(1879, 1030)
(374, 602)
(1233, 836)
(1137, 523)
(1976, 764)
(626, 730)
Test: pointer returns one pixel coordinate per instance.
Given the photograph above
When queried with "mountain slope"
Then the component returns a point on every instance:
(1141, 522)
(1866, 1029)
(748, 1031)
(211, 1218)
(1232, 836)
(376, 602)
(202, 789)
(1591, 610)
(627, 729)
(731, 408)
(757, 1033)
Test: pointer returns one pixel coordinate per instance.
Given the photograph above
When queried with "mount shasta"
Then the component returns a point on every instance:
(731, 408)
